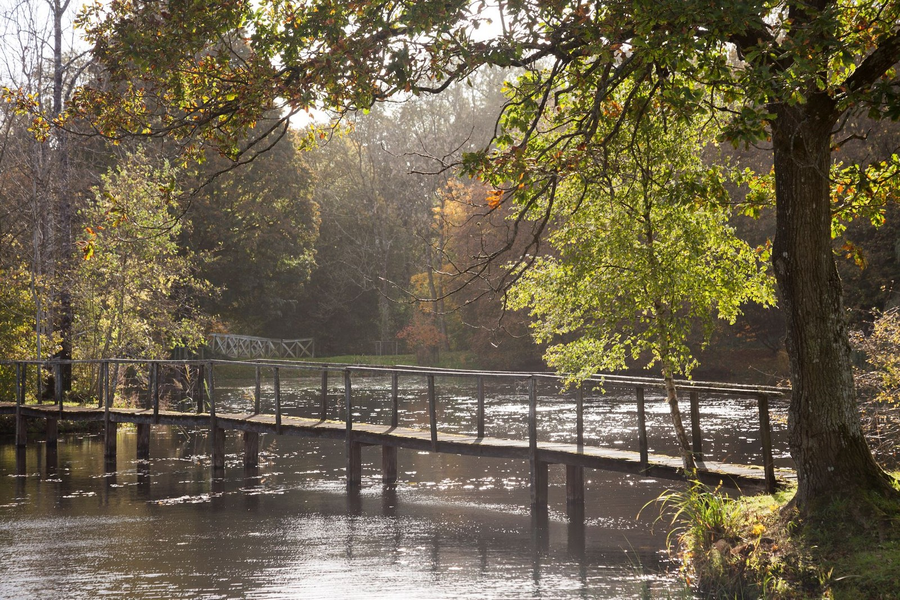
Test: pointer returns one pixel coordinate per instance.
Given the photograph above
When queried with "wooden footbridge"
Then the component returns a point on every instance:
(248, 346)
(161, 381)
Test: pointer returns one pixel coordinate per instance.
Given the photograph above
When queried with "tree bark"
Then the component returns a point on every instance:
(66, 245)
(687, 455)
(825, 435)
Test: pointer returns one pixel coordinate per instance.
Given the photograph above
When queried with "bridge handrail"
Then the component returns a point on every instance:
(711, 387)
(205, 396)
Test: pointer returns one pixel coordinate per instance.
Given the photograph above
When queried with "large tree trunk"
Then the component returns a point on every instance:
(66, 245)
(825, 435)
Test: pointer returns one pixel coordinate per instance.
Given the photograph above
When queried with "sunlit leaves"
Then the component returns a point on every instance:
(642, 255)
(863, 192)
(130, 285)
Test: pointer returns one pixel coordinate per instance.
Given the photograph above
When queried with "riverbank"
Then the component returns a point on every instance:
(757, 547)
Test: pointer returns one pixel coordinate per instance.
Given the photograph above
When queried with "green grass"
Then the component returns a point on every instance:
(446, 360)
(367, 359)
(757, 546)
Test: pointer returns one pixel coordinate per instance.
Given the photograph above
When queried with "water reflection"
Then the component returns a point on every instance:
(76, 525)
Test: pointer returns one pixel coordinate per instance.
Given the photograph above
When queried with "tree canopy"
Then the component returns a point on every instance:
(643, 257)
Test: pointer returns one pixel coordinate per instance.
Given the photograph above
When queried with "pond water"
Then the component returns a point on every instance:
(453, 527)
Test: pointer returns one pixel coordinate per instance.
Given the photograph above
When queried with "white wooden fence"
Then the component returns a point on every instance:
(248, 346)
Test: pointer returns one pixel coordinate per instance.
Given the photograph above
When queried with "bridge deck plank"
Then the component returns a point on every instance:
(614, 459)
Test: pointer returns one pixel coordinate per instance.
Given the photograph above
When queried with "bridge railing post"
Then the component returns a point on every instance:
(479, 417)
(579, 415)
(323, 396)
(696, 436)
(210, 396)
(210, 386)
(765, 434)
(58, 386)
(642, 428)
(257, 391)
(107, 395)
(100, 384)
(432, 412)
(199, 379)
(395, 399)
(154, 390)
(21, 424)
(277, 385)
(39, 381)
(109, 426)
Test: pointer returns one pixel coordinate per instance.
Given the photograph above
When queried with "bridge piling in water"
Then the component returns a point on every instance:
(696, 435)
(251, 449)
(388, 465)
(143, 441)
(52, 431)
(643, 446)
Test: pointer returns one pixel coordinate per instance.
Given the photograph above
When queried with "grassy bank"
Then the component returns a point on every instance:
(447, 360)
(757, 547)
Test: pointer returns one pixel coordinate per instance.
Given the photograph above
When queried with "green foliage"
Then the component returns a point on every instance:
(134, 281)
(256, 226)
(698, 516)
(738, 548)
(643, 254)
(17, 313)
(17, 330)
(758, 547)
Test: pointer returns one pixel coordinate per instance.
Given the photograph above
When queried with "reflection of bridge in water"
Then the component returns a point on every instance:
(158, 385)
(248, 346)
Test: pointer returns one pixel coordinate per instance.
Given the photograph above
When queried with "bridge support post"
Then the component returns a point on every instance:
(21, 430)
(643, 446)
(52, 432)
(354, 465)
(200, 377)
(109, 438)
(389, 465)
(217, 439)
(251, 449)
(323, 396)
(143, 441)
(539, 484)
(574, 486)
